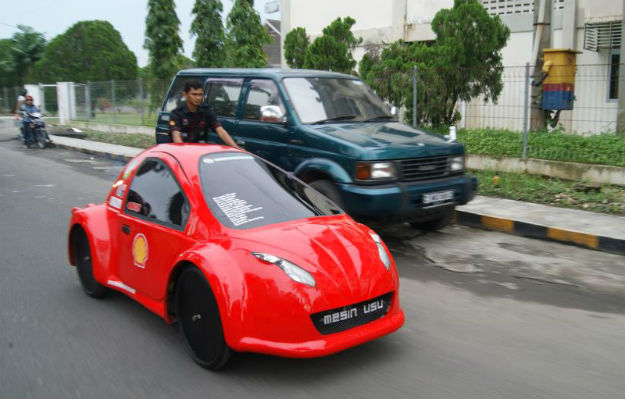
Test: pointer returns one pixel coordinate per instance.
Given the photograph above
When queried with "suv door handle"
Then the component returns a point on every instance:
(240, 143)
(125, 229)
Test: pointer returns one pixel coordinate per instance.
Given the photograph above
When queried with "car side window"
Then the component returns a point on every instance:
(155, 195)
(263, 102)
(222, 95)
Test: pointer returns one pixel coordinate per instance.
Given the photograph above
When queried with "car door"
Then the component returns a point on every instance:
(222, 96)
(175, 97)
(263, 127)
(152, 225)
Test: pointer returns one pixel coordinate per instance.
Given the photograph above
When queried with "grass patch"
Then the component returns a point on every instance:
(551, 191)
(126, 118)
(136, 140)
(604, 149)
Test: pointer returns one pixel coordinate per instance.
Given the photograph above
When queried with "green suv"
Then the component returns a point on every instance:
(335, 134)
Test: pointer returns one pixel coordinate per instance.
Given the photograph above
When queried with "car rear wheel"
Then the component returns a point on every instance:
(84, 267)
(328, 188)
(199, 321)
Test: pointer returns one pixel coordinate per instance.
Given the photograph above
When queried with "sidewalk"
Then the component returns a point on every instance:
(586, 229)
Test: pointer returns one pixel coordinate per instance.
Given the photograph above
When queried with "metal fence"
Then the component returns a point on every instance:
(136, 102)
(132, 102)
(594, 110)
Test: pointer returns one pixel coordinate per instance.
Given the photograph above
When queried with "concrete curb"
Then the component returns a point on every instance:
(566, 236)
(472, 219)
(108, 155)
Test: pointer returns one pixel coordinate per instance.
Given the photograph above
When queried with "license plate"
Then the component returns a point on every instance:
(440, 196)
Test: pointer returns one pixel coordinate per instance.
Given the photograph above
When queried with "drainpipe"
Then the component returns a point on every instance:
(620, 121)
(542, 40)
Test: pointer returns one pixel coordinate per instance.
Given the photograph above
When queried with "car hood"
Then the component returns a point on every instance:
(339, 253)
(389, 140)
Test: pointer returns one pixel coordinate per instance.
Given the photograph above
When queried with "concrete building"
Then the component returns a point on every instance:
(592, 27)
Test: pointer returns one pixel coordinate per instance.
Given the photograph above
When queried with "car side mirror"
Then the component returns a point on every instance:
(272, 113)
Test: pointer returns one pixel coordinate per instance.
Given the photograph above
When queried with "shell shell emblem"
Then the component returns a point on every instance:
(140, 250)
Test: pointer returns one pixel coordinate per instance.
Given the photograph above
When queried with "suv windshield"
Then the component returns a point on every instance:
(243, 191)
(327, 100)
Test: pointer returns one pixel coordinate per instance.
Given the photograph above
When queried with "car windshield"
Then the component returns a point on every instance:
(328, 100)
(244, 191)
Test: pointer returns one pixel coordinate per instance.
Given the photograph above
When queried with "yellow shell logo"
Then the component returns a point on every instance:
(140, 250)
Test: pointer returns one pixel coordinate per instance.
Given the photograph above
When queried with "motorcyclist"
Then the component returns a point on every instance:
(28, 108)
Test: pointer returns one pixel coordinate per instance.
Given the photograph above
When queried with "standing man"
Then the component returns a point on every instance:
(189, 122)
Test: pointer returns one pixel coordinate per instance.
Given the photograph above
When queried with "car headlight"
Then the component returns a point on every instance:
(457, 163)
(381, 251)
(291, 269)
(375, 170)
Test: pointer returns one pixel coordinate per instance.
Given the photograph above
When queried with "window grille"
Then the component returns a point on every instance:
(602, 35)
(511, 7)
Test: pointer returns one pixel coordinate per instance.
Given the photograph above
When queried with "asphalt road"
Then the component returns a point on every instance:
(488, 314)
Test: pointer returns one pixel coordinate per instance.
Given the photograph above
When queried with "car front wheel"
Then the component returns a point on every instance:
(199, 321)
(84, 267)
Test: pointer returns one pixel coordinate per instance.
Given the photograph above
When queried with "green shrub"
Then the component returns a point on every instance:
(604, 149)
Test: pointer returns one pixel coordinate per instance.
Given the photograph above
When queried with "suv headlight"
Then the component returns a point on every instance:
(375, 170)
(381, 251)
(291, 269)
(457, 163)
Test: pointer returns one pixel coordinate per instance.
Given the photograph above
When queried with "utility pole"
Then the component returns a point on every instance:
(542, 40)
(620, 121)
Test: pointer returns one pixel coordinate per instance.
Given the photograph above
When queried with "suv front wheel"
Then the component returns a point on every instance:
(329, 189)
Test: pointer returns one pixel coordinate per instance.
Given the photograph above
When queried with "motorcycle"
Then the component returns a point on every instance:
(38, 126)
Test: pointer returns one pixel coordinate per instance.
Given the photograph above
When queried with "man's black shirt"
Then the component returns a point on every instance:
(192, 125)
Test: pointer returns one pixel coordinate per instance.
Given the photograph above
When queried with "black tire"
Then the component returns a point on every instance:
(199, 320)
(434, 224)
(84, 267)
(42, 138)
(328, 188)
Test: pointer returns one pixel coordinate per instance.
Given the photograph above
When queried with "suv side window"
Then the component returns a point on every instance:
(222, 95)
(263, 102)
(175, 95)
(155, 195)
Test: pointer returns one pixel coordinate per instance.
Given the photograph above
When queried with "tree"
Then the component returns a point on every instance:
(245, 36)
(463, 63)
(26, 49)
(88, 50)
(161, 38)
(8, 77)
(208, 28)
(333, 49)
(296, 43)
(389, 72)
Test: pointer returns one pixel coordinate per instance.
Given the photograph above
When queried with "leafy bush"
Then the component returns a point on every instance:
(604, 149)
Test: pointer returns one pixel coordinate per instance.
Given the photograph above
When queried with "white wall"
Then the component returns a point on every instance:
(316, 15)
